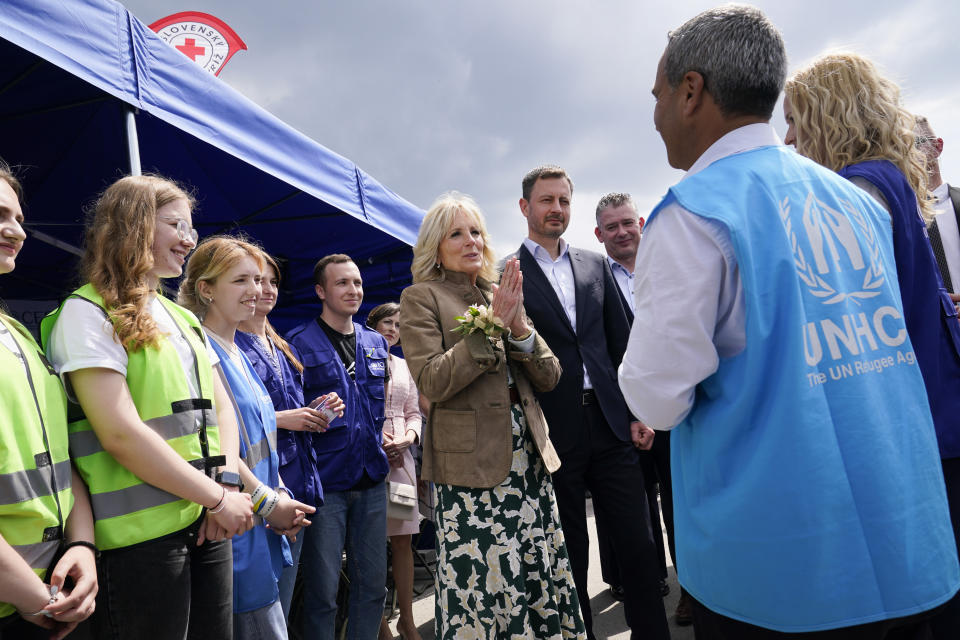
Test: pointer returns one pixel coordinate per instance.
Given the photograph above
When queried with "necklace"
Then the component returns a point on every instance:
(230, 347)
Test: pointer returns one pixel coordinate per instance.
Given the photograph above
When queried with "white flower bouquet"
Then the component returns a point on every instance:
(479, 318)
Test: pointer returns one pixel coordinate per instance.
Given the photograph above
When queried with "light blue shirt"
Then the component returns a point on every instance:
(559, 274)
(624, 280)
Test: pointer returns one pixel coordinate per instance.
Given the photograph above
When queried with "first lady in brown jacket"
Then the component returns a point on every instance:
(502, 568)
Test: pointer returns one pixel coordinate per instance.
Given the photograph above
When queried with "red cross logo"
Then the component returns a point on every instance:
(190, 49)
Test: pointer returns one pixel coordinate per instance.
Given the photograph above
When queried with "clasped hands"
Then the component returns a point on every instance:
(507, 303)
(69, 607)
(394, 447)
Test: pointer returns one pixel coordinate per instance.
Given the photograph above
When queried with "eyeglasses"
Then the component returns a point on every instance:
(922, 140)
(184, 230)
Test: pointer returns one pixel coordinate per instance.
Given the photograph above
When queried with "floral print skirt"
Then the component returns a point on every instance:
(502, 565)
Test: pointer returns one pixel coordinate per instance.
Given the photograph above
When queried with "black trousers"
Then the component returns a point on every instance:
(610, 469)
(710, 625)
(655, 465)
(946, 624)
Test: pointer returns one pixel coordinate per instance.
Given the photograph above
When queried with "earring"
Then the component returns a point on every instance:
(209, 300)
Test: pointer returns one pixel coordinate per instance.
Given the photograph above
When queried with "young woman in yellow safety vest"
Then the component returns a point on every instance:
(44, 506)
(163, 477)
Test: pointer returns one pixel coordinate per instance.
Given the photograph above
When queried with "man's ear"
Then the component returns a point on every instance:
(596, 232)
(523, 207)
(693, 88)
(319, 290)
(938, 145)
(640, 224)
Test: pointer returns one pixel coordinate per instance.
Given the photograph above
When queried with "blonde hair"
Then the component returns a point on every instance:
(272, 334)
(846, 112)
(119, 253)
(435, 226)
(213, 257)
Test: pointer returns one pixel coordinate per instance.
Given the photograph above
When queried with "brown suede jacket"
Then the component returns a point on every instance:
(467, 438)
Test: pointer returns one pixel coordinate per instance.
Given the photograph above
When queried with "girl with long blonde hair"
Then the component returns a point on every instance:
(154, 436)
(842, 113)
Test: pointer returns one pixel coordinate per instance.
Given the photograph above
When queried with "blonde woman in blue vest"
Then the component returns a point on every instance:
(222, 286)
(43, 505)
(146, 438)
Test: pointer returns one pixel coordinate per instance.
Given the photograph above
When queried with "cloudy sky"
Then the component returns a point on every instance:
(435, 96)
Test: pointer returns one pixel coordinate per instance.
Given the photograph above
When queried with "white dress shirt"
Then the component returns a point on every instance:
(624, 280)
(688, 301)
(559, 274)
(949, 233)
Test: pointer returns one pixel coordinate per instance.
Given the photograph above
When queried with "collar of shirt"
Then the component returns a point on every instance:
(941, 193)
(616, 266)
(746, 138)
(541, 255)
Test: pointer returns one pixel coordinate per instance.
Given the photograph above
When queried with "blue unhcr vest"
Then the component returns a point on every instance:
(258, 555)
(297, 466)
(807, 487)
(930, 315)
(354, 442)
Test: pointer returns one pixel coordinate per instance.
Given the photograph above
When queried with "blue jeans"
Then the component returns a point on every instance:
(356, 520)
(265, 623)
(288, 578)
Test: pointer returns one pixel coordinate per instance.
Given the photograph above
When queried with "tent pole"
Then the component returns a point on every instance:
(133, 144)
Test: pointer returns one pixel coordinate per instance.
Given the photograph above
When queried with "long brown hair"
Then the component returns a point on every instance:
(271, 332)
(119, 255)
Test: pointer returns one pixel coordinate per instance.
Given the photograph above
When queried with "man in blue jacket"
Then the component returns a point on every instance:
(343, 356)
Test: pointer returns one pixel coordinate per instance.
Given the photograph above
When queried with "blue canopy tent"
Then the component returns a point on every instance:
(89, 93)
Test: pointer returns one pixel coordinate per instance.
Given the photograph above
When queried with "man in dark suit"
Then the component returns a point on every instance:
(945, 231)
(618, 228)
(573, 300)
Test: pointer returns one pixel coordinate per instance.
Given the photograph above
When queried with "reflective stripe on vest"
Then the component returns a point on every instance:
(259, 451)
(126, 510)
(85, 443)
(38, 554)
(112, 504)
(35, 494)
(29, 484)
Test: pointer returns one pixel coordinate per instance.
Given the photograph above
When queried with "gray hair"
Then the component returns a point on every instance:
(739, 53)
(614, 200)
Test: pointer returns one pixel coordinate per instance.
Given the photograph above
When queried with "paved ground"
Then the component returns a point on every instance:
(608, 619)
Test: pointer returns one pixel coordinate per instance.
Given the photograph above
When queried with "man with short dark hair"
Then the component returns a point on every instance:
(573, 300)
(341, 355)
(808, 496)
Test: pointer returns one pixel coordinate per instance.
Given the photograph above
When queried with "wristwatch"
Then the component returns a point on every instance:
(229, 479)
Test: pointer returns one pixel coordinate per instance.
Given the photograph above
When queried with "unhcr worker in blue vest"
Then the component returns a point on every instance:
(343, 356)
(222, 286)
(44, 505)
(879, 155)
(808, 495)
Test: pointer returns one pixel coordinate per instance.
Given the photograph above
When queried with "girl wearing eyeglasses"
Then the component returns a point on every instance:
(153, 435)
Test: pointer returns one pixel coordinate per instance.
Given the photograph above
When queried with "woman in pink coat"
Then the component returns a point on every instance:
(401, 428)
